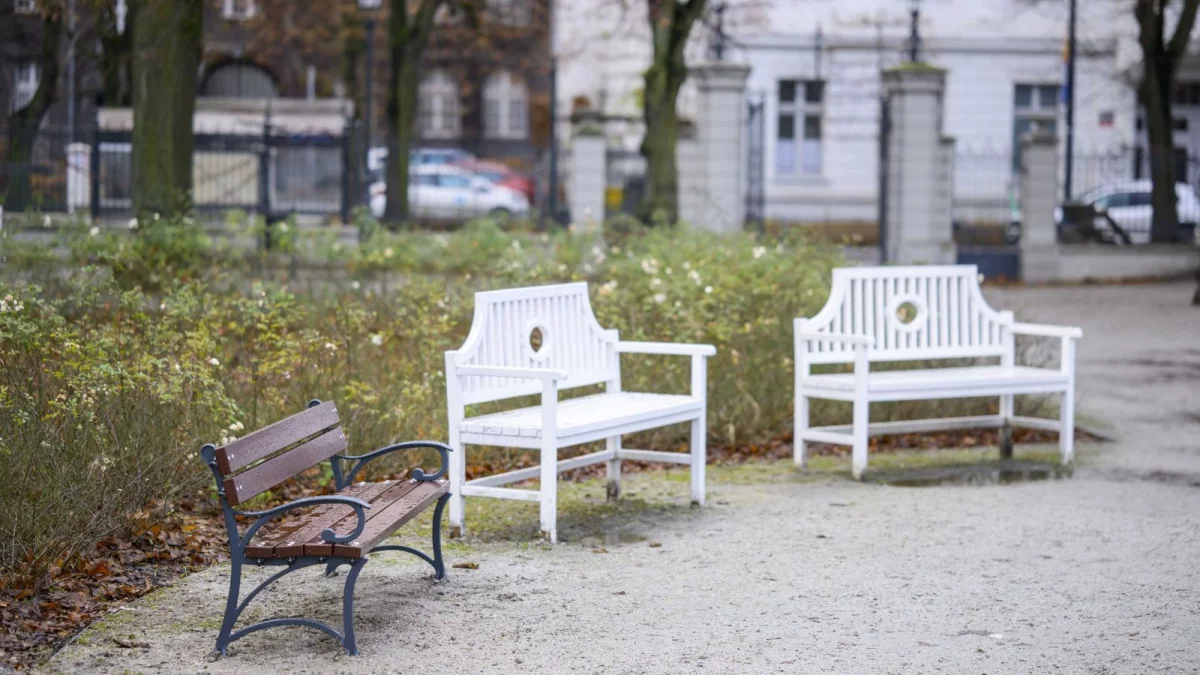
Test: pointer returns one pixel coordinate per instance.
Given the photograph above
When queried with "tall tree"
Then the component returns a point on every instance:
(1162, 52)
(671, 23)
(409, 25)
(23, 124)
(167, 38)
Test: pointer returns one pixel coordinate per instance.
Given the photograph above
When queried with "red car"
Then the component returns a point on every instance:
(500, 174)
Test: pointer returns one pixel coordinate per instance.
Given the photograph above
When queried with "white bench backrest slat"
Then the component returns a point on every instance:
(572, 341)
(952, 319)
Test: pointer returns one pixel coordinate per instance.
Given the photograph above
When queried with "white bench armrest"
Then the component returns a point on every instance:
(670, 348)
(837, 337)
(516, 373)
(1047, 331)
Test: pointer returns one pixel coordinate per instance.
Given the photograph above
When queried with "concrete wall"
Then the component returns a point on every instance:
(1100, 262)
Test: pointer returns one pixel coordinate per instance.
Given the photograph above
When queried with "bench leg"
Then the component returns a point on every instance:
(1066, 426)
(348, 607)
(614, 468)
(799, 446)
(858, 459)
(548, 490)
(699, 452)
(231, 605)
(1006, 413)
(439, 566)
(458, 476)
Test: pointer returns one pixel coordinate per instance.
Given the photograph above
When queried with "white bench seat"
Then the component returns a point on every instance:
(585, 418)
(901, 385)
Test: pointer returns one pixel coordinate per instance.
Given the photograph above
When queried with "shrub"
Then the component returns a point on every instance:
(108, 393)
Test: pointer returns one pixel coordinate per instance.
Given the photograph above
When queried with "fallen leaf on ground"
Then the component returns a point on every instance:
(466, 566)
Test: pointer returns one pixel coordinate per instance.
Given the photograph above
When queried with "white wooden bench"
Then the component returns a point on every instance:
(543, 340)
(921, 313)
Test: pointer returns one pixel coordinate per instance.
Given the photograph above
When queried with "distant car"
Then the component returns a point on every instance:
(500, 174)
(1129, 205)
(377, 158)
(443, 192)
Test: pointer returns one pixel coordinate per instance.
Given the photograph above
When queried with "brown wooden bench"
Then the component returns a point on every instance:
(339, 529)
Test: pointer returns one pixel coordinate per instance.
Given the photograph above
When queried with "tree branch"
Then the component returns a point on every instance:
(1183, 32)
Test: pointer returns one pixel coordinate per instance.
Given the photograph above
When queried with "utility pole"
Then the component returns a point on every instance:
(914, 36)
(1070, 150)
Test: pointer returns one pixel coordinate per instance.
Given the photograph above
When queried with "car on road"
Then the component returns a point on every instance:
(1129, 206)
(451, 193)
(500, 174)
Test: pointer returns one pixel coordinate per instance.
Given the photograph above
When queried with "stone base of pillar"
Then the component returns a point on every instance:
(1041, 263)
(918, 253)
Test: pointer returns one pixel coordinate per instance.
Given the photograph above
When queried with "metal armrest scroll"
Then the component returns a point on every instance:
(342, 479)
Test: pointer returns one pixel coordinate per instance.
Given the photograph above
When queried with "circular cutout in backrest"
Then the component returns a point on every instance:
(537, 340)
(907, 313)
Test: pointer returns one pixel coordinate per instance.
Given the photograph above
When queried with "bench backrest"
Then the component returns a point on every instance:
(265, 458)
(571, 340)
(915, 312)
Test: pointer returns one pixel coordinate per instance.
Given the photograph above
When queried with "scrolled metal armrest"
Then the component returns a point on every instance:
(327, 535)
(359, 461)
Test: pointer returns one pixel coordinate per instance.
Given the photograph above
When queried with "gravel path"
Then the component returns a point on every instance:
(1095, 574)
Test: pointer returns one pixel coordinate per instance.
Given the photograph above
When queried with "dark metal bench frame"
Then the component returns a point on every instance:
(239, 542)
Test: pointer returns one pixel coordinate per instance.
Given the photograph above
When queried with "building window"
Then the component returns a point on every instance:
(238, 10)
(24, 6)
(1187, 93)
(508, 12)
(1035, 110)
(505, 107)
(439, 111)
(27, 78)
(799, 130)
(238, 80)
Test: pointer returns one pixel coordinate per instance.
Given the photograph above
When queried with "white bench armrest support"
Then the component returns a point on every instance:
(1043, 330)
(668, 348)
(544, 374)
(863, 340)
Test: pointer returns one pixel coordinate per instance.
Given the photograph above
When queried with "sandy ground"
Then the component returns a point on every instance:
(1094, 574)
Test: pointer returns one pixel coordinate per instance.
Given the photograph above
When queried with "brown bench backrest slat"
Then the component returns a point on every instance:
(268, 474)
(271, 439)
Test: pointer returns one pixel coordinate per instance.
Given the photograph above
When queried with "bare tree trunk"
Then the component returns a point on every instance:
(1161, 55)
(166, 57)
(353, 48)
(407, 34)
(671, 23)
(24, 123)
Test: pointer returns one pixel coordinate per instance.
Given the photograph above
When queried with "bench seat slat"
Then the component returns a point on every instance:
(583, 414)
(316, 546)
(287, 538)
(939, 380)
(392, 517)
(274, 471)
(275, 437)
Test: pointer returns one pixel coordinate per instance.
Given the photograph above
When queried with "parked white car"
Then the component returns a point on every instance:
(445, 192)
(1128, 204)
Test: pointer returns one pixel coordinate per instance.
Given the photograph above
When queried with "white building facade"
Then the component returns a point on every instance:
(815, 69)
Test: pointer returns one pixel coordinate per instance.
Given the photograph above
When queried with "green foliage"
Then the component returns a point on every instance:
(115, 374)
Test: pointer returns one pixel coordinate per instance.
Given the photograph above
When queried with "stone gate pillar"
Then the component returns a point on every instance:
(713, 197)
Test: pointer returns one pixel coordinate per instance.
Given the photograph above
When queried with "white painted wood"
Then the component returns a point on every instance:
(497, 362)
(500, 493)
(923, 426)
(518, 475)
(655, 456)
(859, 324)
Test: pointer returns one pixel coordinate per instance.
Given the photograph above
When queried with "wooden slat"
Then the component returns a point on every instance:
(253, 447)
(391, 518)
(317, 546)
(287, 538)
(274, 471)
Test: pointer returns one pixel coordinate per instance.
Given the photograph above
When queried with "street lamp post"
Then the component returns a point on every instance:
(914, 37)
(368, 7)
